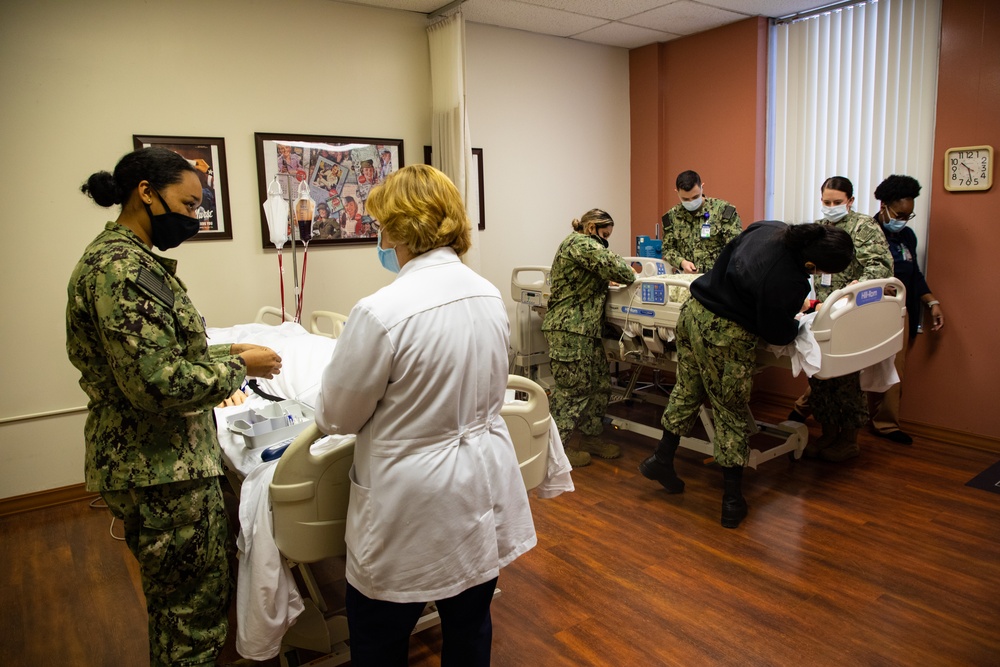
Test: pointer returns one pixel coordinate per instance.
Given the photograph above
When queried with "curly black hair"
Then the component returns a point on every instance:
(896, 187)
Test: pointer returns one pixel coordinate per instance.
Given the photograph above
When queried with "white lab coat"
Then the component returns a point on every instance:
(419, 373)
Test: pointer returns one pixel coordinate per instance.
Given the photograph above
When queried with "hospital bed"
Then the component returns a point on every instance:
(292, 510)
(321, 322)
(858, 327)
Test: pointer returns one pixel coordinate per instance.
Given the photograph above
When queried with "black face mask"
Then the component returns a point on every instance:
(600, 239)
(170, 229)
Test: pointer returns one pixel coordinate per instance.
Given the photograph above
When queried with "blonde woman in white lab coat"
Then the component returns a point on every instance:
(437, 503)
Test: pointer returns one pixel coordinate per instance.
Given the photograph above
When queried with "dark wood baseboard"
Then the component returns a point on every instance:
(938, 433)
(40, 499)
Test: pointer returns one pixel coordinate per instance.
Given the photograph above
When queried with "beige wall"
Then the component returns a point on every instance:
(78, 79)
(552, 118)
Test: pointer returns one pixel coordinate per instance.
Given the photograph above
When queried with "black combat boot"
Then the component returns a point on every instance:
(660, 466)
(734, 507)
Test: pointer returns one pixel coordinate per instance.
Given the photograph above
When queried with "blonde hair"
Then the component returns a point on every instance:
(421, 208)
(600, 219)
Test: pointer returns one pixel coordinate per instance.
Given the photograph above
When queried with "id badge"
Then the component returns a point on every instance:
(826, 280)
(706, 230)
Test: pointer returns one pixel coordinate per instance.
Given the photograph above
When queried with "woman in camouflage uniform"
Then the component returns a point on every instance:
(581, 271)
(755, 290)
(152, 380)
(839, 404)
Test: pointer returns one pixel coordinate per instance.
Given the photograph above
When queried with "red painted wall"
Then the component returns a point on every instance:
(711, 89)
(645, 164)
(709, 94)
(952, 377)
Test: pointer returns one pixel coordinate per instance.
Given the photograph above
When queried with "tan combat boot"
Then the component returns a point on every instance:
(814, 448)
(577, 459)
(844, 447)
(598, 447)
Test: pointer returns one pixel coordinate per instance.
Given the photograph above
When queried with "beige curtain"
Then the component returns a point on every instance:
(450, 143)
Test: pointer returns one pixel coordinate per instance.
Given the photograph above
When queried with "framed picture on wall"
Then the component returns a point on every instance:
(476, 207)
(337, 173)
(208, 156)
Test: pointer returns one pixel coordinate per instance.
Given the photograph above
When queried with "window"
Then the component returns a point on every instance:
(852, 92)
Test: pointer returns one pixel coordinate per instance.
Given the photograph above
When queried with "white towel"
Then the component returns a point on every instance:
(881, 376)
(804, 350)
(558, 477)
(267, 599)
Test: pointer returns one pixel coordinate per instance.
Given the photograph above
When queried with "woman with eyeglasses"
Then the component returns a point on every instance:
(895, 196)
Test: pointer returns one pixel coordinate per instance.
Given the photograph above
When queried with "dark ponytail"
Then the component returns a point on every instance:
(840, 184)
(830, 248)
(160, 166)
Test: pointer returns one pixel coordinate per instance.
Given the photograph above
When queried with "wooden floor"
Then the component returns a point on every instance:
(888, 559)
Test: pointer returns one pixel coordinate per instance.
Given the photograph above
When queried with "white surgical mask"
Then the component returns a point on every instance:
(692, 205)
(834, 213)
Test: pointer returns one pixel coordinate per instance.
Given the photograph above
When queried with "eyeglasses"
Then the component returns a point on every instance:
(892, 214)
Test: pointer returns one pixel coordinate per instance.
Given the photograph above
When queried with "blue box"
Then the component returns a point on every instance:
(647, 247)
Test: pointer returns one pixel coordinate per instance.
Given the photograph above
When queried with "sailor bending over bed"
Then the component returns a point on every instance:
(755, 290)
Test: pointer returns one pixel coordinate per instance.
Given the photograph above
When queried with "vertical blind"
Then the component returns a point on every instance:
(852, 93)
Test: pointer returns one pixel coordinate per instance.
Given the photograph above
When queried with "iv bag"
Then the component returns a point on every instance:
(276, 212)
(305, 208)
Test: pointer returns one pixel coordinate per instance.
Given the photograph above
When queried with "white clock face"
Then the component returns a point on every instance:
(969, 169)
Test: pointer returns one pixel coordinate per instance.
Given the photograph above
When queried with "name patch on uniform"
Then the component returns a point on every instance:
(870, 295)
(155, 286)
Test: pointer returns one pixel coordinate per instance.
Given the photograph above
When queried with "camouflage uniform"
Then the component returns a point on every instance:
(682, 233)
(715, 359)
(839, 401)
(580, 274)
(151, 449)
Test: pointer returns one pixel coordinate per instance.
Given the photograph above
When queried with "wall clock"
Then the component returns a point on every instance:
(968, 169)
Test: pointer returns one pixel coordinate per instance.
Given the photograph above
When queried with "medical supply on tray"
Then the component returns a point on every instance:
(265, 426)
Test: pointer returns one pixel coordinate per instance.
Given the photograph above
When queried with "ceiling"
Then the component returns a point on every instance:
(624, 23)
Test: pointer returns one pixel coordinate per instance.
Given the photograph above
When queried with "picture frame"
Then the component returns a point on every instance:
(477, 206)
(337, 172)
(208, 156)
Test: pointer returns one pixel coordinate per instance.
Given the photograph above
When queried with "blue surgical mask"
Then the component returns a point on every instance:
(387, 258)
(834, 213)
(692, 205)
(894, 225)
